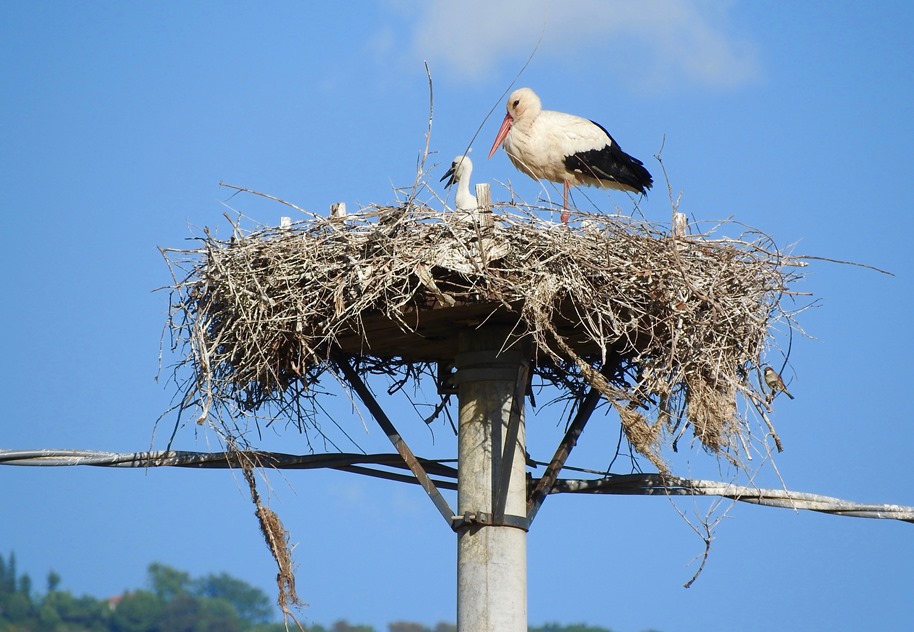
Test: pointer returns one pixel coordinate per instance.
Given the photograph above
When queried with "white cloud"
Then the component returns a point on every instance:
(650, 44)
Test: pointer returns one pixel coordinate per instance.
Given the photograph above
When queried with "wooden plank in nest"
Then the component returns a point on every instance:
(425, 335)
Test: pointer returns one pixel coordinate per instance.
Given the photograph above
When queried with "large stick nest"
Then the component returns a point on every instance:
(669, 329)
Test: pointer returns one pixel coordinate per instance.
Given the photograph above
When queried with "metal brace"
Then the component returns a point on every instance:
(482, 519)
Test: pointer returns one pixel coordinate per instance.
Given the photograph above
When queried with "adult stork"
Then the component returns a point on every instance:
(565, 149)
(459, 173)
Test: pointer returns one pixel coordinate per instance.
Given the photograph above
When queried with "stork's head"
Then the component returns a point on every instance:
(522, 105)
(460, 169)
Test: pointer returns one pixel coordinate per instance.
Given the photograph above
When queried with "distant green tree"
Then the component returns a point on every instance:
(220, 616)
(406, 626)
(187, 613)
(47, 617)
(279, 627)
(25, 585)
(445, 627)
(137, 612)
(577, 627)
(63, 611)
(16, 605)
(250, 603)
(180, 614)
(343, 626)
(53, 581)
(8, 574)
(166, 582)
(3, 573)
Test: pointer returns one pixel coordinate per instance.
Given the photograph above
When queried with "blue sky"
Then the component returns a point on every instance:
(118, 121)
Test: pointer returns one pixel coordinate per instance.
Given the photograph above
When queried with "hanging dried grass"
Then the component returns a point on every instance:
(677, 323)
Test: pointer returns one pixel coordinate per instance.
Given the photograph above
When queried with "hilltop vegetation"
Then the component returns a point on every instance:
(172, 602)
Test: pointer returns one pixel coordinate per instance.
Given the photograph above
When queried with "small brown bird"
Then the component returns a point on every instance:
(774, 381)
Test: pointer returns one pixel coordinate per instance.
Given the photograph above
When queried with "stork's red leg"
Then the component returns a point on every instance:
(565, 212)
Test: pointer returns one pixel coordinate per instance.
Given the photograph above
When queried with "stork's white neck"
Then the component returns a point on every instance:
(465, 200)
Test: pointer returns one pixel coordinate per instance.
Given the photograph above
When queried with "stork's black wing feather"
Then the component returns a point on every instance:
(612, 164)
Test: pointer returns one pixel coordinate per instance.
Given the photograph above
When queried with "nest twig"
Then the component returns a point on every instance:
(678, 323)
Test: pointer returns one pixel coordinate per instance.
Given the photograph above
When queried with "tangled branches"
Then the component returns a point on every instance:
(670, 329)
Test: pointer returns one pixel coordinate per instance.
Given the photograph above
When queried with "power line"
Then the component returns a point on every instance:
(180, 458)
(658, 484)
(629, 484)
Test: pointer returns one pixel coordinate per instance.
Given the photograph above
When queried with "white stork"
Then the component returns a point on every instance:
(459, 173)
(565, 149)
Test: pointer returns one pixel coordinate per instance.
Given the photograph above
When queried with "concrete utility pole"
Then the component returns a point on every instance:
(492, 489)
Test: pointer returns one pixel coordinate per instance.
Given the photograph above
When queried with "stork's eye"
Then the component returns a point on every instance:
(516, 103)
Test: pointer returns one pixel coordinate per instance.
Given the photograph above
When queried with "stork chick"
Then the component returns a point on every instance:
(459, 173)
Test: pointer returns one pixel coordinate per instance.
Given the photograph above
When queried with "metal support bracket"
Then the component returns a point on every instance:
(387, 426)
(545, 484)
(481, 519)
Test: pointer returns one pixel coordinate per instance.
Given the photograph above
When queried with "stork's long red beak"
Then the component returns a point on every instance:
(502, 132)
